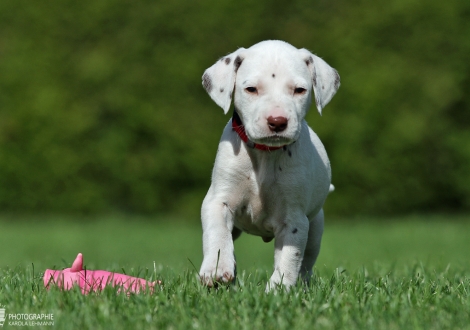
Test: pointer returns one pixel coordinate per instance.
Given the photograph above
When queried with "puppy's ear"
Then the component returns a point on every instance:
(219, 79)
(325, 79)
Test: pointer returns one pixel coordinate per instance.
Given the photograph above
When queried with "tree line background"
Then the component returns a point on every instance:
(102, 108)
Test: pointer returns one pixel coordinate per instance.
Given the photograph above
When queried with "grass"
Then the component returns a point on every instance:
(408, 273)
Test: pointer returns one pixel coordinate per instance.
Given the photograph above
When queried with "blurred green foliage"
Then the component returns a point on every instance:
(101, 104)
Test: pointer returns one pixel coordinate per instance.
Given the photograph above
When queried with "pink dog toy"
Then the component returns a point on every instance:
(94, 280)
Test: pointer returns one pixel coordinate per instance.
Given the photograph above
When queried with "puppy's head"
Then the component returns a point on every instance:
(271, 84)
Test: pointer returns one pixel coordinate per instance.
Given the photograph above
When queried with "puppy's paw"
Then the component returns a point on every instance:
(274, 283)
(279, 281)
(224, 273)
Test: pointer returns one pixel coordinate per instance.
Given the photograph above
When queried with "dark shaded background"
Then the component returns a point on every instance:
(102, 109)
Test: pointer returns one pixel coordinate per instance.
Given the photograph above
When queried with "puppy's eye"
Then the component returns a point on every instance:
(300, 90)
(251, 90)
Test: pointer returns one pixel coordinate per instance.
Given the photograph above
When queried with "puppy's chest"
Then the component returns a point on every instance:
(251, 213)
(262, 200)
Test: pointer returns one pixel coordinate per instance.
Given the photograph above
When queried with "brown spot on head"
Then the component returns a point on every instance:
(273, 75)
(207, 82)
(237, 63)
(309, 60)
(227, 60)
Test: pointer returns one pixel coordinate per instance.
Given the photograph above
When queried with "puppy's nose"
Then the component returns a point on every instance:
(277, 124)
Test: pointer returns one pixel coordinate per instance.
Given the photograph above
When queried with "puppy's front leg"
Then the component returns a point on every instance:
(289, 246)
(219, 260)
(312, 249)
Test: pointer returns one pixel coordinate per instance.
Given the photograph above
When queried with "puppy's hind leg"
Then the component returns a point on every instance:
(235, 234)
(312, 249)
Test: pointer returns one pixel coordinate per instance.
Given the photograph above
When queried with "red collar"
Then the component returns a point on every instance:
(238, 127)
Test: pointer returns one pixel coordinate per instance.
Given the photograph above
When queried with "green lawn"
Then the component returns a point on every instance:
(407, 273)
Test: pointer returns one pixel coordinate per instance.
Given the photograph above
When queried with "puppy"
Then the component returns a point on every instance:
(271, 174)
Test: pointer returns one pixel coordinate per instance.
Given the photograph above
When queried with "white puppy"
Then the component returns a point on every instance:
(271, 174)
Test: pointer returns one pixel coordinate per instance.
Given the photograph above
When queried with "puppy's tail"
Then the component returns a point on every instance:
(332, 188)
